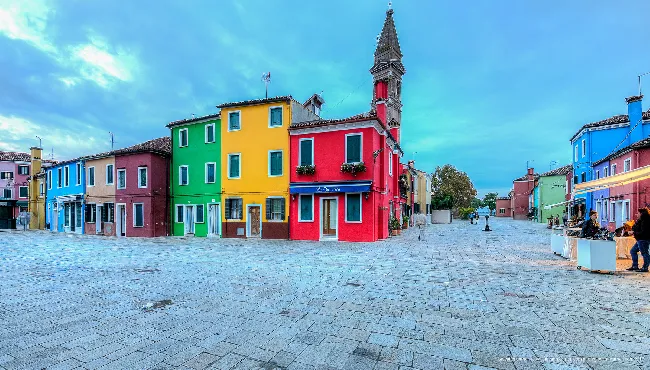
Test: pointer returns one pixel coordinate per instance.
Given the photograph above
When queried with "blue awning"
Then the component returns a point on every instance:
(324, 188)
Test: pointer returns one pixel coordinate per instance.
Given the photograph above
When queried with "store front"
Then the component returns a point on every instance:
(70, 213)
(7, 214)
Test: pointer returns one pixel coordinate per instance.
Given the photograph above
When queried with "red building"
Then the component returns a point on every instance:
(142, 187)
(522, 188)
(504, 207)
(344, 172)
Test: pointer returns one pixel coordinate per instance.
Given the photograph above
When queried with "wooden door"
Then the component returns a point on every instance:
(254, 219)
(329, 217)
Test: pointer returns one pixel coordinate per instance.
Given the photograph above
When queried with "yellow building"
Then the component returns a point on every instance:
(36, 190)
(255, 166)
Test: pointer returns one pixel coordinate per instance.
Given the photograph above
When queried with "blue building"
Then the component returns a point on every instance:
(65, 206)
(595, 141)
(600, 197)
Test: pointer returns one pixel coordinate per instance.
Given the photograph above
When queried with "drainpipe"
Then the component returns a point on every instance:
(635, 188)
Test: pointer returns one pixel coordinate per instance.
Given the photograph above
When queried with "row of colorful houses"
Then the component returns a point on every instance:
(269, 168)
(610, 169)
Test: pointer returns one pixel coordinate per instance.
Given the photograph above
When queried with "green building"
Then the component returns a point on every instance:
(195, 176)
(551, 190)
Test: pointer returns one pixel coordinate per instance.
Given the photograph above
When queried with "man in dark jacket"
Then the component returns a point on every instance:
(591, 227)
(641, 230)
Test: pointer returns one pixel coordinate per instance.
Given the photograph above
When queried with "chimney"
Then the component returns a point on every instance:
(635, 113)
(531, 172)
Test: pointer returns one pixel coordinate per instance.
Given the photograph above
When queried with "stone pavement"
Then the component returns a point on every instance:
(463, 299)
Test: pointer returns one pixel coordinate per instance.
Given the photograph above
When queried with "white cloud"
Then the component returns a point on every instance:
(26, 20)
(102, 66)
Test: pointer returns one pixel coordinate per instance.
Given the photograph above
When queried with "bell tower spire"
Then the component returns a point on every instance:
(387, 73)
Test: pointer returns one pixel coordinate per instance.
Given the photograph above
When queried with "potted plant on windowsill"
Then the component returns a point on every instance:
(353, 168)
(309, 169)
(405, 222)
(394, 226)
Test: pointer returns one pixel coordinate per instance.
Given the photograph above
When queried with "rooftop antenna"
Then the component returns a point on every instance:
(192, 115)
(641, 75)
(40, 142)
(266, 77)
(112, 139)
(52, 154)
(390, 5)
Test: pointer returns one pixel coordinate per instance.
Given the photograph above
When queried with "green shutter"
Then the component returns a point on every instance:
(234, 166)
(276, 164)
(276, 116)
(353, 207)
(269, 204)
(227, 209)
(305, 152)
(240, 210)
(282, 212)
(306, 207)
(353, 146)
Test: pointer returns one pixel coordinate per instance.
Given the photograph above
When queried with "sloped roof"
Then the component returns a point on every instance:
(195, 119)
(524, 177)
(162, 146)
(562, 171)
(615, 120)
(388, 38)
(15, 156)
(277, 99)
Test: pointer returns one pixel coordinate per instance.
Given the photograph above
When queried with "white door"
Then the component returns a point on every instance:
(189, 220)
(98, 219)
(121, 227)
(214, 213)
(619, 214)
(329, 217)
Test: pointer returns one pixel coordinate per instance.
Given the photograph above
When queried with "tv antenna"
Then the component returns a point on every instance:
(112, 139)
(266, 77)
(641, 75)
(40, 142)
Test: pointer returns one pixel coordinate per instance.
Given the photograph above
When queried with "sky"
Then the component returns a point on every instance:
(487, 88)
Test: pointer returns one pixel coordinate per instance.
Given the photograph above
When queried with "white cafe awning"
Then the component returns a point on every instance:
(556, 204)
(638, 174)
(69, 198)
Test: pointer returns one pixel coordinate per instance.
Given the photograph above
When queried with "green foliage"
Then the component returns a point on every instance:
(353, 168)
(490, 201)
(441, 201)
(306, 170)
(464, 212)
(448, 181)
(476, 203)
(405, 219)
(394, 224)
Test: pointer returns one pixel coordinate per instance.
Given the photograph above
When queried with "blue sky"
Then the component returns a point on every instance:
(488, 86)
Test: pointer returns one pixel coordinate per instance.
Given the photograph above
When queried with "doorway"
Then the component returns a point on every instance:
(189, 220)
(214, 216)
(329, 218)
(121, 220)
(98, 219)
(254, 221)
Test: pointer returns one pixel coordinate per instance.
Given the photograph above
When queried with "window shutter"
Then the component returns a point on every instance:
(240, 205)
(269, 204)
(227, 210)
(282, 208)
(305, 152)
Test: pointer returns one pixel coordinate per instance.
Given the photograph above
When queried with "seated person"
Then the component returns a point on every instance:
(591, 227)
(625, 230)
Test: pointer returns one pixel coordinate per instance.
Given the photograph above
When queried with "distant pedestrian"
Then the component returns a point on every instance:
(421, 223)
(641, 230)
(471, 218)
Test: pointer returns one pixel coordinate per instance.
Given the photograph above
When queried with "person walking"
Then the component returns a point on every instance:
(471, 218)
(421, 223)
(641, 231)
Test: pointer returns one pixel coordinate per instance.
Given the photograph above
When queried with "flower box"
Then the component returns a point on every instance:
(353, 168)
(306, 170)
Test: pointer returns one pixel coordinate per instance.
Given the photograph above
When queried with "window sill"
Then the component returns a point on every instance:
(235, 219)
(353, 222)
(276, 175)
(137, 227)
(278, 126)
(306, 221)
(234, 178)
(275, 221)
(234, 130)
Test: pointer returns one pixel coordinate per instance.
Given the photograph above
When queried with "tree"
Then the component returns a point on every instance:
(490, 201)
(476, 203)
(448, 181)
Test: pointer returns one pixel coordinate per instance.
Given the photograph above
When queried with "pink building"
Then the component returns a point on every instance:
(14, 195)
(522, 189)
(504, 207)
(141, 189)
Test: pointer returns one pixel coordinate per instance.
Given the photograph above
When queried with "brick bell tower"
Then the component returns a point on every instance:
(387, 75)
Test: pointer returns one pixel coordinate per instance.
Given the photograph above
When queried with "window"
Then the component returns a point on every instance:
(23, 170)
(59, 179)
(626, 211)
(200, 214)
(210, 169)
(597, 174)
(143, 177)
(22, 192)
(275, 209)
(627, 165)
(209, 133)
(566, 186)
(234, 166)
(91, 212)
(41, 187)
(352, 148)
(613, 172)
(182, 137)
(306, 152)
(233, 210)
(234, 122)
(605, 210)
(583, 177)
(575, 179)
(390, 163)
(6, 175)
(353, 208)
(612, 213)
(138, 215)
(605, 171)
(78, 174)
(121, 179)
(183, 177)
(584, 148)
(7, 194)
(49, 180)
(66, 176)
(575, 154)
(179, 212)
(502, 211)
(275, 117)
(108, 211)
(306, 208)
(275, 163)
(91, 176)
(109, 174)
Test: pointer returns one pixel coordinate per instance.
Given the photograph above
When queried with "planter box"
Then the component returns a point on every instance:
(441, 216)
(597, 255)
(557, 244)
(570, 250)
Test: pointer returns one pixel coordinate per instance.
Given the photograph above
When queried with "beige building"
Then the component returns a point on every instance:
(422, 192)
(100, 195)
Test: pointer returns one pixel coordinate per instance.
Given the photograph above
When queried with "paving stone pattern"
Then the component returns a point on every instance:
(463, 299)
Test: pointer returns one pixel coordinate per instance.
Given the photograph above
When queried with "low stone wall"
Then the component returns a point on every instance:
(441, 217)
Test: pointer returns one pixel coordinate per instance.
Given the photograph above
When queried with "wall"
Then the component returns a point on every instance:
(195, 156)
(522, 190)
(254, 186)
(441, 217)
(101, 193)
(505, 204)
(552, 191)
(601, 196)
(52, 191)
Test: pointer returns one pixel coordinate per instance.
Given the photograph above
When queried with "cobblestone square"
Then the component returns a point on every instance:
(462, 299)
